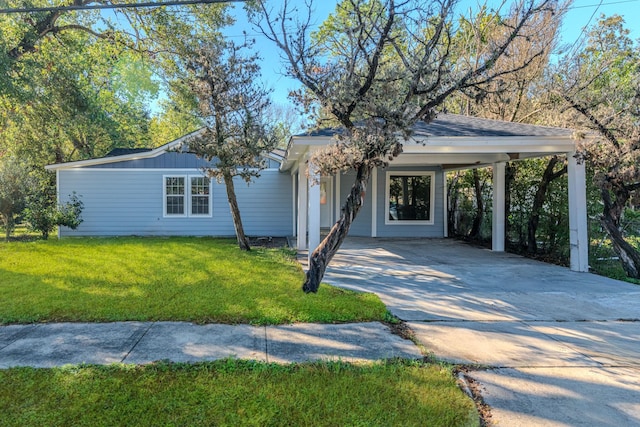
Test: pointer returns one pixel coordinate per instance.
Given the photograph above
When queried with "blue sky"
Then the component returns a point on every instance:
(582, 13)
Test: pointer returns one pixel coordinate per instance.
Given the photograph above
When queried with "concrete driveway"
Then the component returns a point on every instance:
(554, 347)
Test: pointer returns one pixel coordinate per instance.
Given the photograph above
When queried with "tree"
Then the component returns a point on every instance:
(15, 184)
(601, 84)
(74, 84)
(232, 106)
(377, 67)
(43, 213)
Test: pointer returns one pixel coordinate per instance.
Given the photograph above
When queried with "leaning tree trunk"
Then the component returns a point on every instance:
(477, 219)
(610, 220)
(324, 253)
(541, 194)
(452, 204)
(243, 242)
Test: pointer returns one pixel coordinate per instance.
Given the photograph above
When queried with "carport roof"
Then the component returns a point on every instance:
(456, 125)
(458, 141)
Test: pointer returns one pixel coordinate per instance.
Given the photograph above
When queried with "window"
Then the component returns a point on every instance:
(200, 195)
(409, 198)
(174, 195)
(187, 196)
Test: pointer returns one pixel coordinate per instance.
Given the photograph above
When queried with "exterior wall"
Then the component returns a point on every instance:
(130, 202)
(409, 230)
(361, 227)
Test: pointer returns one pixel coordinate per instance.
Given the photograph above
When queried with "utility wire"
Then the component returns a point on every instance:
(113, 6)
(580, 39)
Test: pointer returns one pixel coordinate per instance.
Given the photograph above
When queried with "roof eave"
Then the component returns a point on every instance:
(125, 157)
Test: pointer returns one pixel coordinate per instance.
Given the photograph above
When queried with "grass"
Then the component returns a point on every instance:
(231, 392)
(190, 279)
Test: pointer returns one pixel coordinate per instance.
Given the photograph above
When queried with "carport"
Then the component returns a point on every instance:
(450, 142)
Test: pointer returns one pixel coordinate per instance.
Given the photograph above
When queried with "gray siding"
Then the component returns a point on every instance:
(130, 202)
(171, 160)
(410, 230)
(168, 160)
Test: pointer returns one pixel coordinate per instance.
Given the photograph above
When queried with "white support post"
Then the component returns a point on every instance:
(578, 236)
(314, 209)
(498, 220)
(302, 206)
(445, 204)
(294, 201)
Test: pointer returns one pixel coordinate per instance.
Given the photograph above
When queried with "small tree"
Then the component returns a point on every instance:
(231, 105)
(15, 183)
(43, 214)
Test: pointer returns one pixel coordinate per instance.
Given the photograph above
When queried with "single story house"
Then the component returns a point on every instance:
(163, 191)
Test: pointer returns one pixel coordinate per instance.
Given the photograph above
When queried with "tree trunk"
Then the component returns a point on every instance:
(477, 220)
(610, 220)
(452, 198)
(541, 193)
(7, 229)
(325, 251)
(243, 242)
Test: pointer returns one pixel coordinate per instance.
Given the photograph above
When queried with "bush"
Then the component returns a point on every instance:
(43, 216)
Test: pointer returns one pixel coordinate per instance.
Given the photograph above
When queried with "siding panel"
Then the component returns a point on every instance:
(118, 202)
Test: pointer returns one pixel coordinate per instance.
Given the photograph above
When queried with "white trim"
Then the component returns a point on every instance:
(186, 196)
(294, 201)
(498, 220)
(179, 170)
(302, 207)
(445, 224)
(374, 202)
(432, 197)
(578, 233)
(314, 209)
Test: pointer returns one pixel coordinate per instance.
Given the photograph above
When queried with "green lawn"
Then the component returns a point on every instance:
(191, 279)
(235, 393)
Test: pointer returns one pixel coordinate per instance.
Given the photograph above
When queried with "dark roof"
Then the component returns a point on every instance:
(125, 151)
(452, 125)
(457, 125)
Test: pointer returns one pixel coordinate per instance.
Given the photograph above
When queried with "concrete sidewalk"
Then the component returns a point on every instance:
(57, 344)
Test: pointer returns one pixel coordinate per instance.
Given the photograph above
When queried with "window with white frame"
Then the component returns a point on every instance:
(200, 189)
(409, 198)
(186, 195)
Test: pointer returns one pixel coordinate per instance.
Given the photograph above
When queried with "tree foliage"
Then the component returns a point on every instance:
(601, 86)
